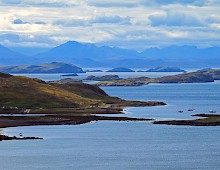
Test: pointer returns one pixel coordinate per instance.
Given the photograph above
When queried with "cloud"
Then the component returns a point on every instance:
(175, 19)
(31, 39)
(113, 3)
(135, 3)
(106, 3)
(112, 19)
(10, 2)
(19, 21)
(213, 19)
(91, 21)
(41, 3)
(131, 23)
(70, 22)
(183, 2)
(40, 22)
(9, 37)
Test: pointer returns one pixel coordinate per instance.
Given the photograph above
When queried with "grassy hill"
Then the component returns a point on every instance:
(23, 92)
(18, 91)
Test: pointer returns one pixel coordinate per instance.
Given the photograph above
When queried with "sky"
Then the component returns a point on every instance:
(132, 24)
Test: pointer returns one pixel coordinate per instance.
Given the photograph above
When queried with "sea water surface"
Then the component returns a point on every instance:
(81, 76)
(126, 145)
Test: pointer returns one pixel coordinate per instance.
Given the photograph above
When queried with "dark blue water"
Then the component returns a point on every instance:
(81, 76)
(126, 145)
(201, 97)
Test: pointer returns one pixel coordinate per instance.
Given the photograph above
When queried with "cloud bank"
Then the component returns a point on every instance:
(135, 24)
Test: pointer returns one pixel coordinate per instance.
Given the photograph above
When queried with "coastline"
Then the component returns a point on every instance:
(205, 120)
(68, 117)
(61, 116)
(48, 120)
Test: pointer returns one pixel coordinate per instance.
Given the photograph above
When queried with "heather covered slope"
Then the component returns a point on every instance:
(33, 93)
(23, 92)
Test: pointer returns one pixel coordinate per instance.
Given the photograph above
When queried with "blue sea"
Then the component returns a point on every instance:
(126, 145)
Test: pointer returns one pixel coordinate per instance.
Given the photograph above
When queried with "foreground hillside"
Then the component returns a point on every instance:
(62, 102)
(23, 92)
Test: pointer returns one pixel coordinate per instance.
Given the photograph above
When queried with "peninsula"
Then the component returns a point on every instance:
(192, 77)
(57, 103)
(207, 120)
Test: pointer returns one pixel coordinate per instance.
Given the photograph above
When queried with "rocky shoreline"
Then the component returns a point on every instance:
(207, 120)
(4, 137)
(194, 77)
(67, 116)
(15, 121)
(74, 119)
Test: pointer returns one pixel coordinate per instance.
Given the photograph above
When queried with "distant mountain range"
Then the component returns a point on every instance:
(90, 55)
(10, 57)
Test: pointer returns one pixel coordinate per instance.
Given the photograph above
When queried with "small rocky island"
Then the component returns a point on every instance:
(70, 75)
(166, 69)
(103, 78)
(193, 77)
(120, 69)
(93, 71)
(207, 120)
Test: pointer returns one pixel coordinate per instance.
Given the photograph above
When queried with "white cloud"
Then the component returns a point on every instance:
(132, 23)
(175, 19)
(19, 21)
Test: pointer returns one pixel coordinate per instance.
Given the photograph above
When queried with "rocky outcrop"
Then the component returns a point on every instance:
(4, 137)
(208, 120)
(4, 75)
(103, 78)
(66, 81)
(69, 75)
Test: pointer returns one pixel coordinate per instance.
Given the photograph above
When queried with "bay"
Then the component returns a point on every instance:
(126, 145)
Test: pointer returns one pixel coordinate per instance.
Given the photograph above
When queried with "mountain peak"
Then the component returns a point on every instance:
(71, 43)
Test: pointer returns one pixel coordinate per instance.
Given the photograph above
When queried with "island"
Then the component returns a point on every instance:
(207, 120)
(48, 68)
(63, 102)
(93, 71)
(215, 73)
(120, 69)
(103, 78)
(70, 75)
(192, 77)
(166, 69)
